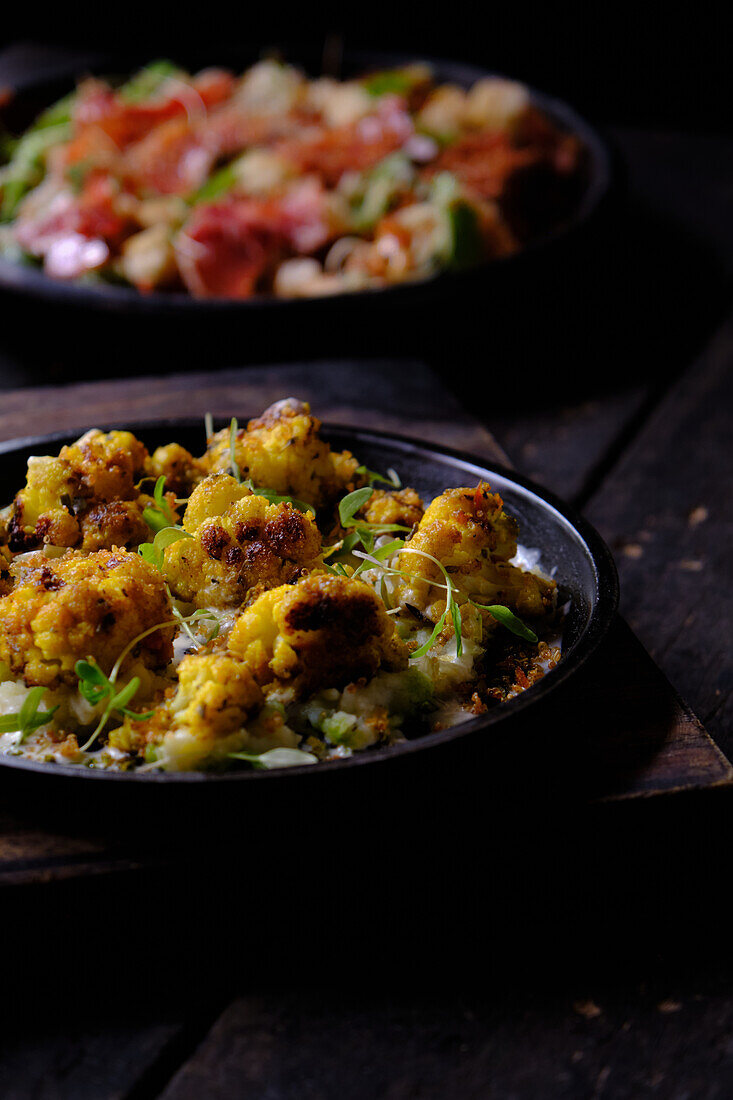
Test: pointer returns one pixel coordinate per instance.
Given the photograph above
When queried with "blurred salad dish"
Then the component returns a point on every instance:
(275, 184)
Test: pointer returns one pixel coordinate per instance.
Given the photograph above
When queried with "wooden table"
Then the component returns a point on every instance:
(581, 953)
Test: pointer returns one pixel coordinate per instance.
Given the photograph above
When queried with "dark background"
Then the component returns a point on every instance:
(661, 65)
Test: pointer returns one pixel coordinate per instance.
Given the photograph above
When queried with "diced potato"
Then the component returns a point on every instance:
(148, 259)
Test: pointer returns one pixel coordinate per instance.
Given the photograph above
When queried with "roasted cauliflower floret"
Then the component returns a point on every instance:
(6, 580)
(87, 607)
(211, 498)
(217, 709)
(471, 535)
(282, 450)
(179, 468)
(63, 502)
(118, 523)
(402, 506)
(239, 543)
(216, 693)
(324, 631)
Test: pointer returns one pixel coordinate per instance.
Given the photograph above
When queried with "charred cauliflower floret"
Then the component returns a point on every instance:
(402, 506)
(179, 468)
(87, 607)
(6, 579)
(282, 450)
(239, 543)
(86, 497)
(217, 709)
(324, 631)
(471, 535)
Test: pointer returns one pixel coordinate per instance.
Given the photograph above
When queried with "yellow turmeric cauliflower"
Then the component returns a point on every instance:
(179, 468)
(82, 607)
(324, 631)
(217, 709)
(402, 506)
(240, 543)
(86, 496)
(471, 535)
(282, 450)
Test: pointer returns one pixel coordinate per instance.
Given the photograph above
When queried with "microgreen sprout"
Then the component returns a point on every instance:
(153, 552)
(502, 614)
(509, 620)
(28, 719)
(359, 531)
(391, 479)
(95, 687)
(202, 615)
(233, 429)
(451, 608)
(208, 426)
(275, 498)
(351, 503)
(276, 758)
(158, 515)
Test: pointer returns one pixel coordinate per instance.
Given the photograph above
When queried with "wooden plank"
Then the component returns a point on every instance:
(667, 512)
(50, 1061)
(393, 396)
(325, 1045)
(561, 446)
(628, 734)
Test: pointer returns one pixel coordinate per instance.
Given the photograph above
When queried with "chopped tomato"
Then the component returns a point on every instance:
(356, 147)
(228, 246)
(123, 123)
(77, 233)
(483, 162)
(174, 159)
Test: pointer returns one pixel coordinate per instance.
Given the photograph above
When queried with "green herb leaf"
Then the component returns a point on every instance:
(28, 719)
(338, 568)
(392, 478)
(149, 80)
(352, 502)
(158, 515)
(276, 758)
(153, 552)
(26, 167)
(390, 82)
(509, 620)
(466, 245)
(233, 429)
(219, 183)
(273, 498)
(437, 630)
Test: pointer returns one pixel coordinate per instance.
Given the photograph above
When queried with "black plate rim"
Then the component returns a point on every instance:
(33, 282)
(602, 615)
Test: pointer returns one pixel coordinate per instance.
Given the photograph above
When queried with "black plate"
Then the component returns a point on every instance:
(36, 93)
(583, 565)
